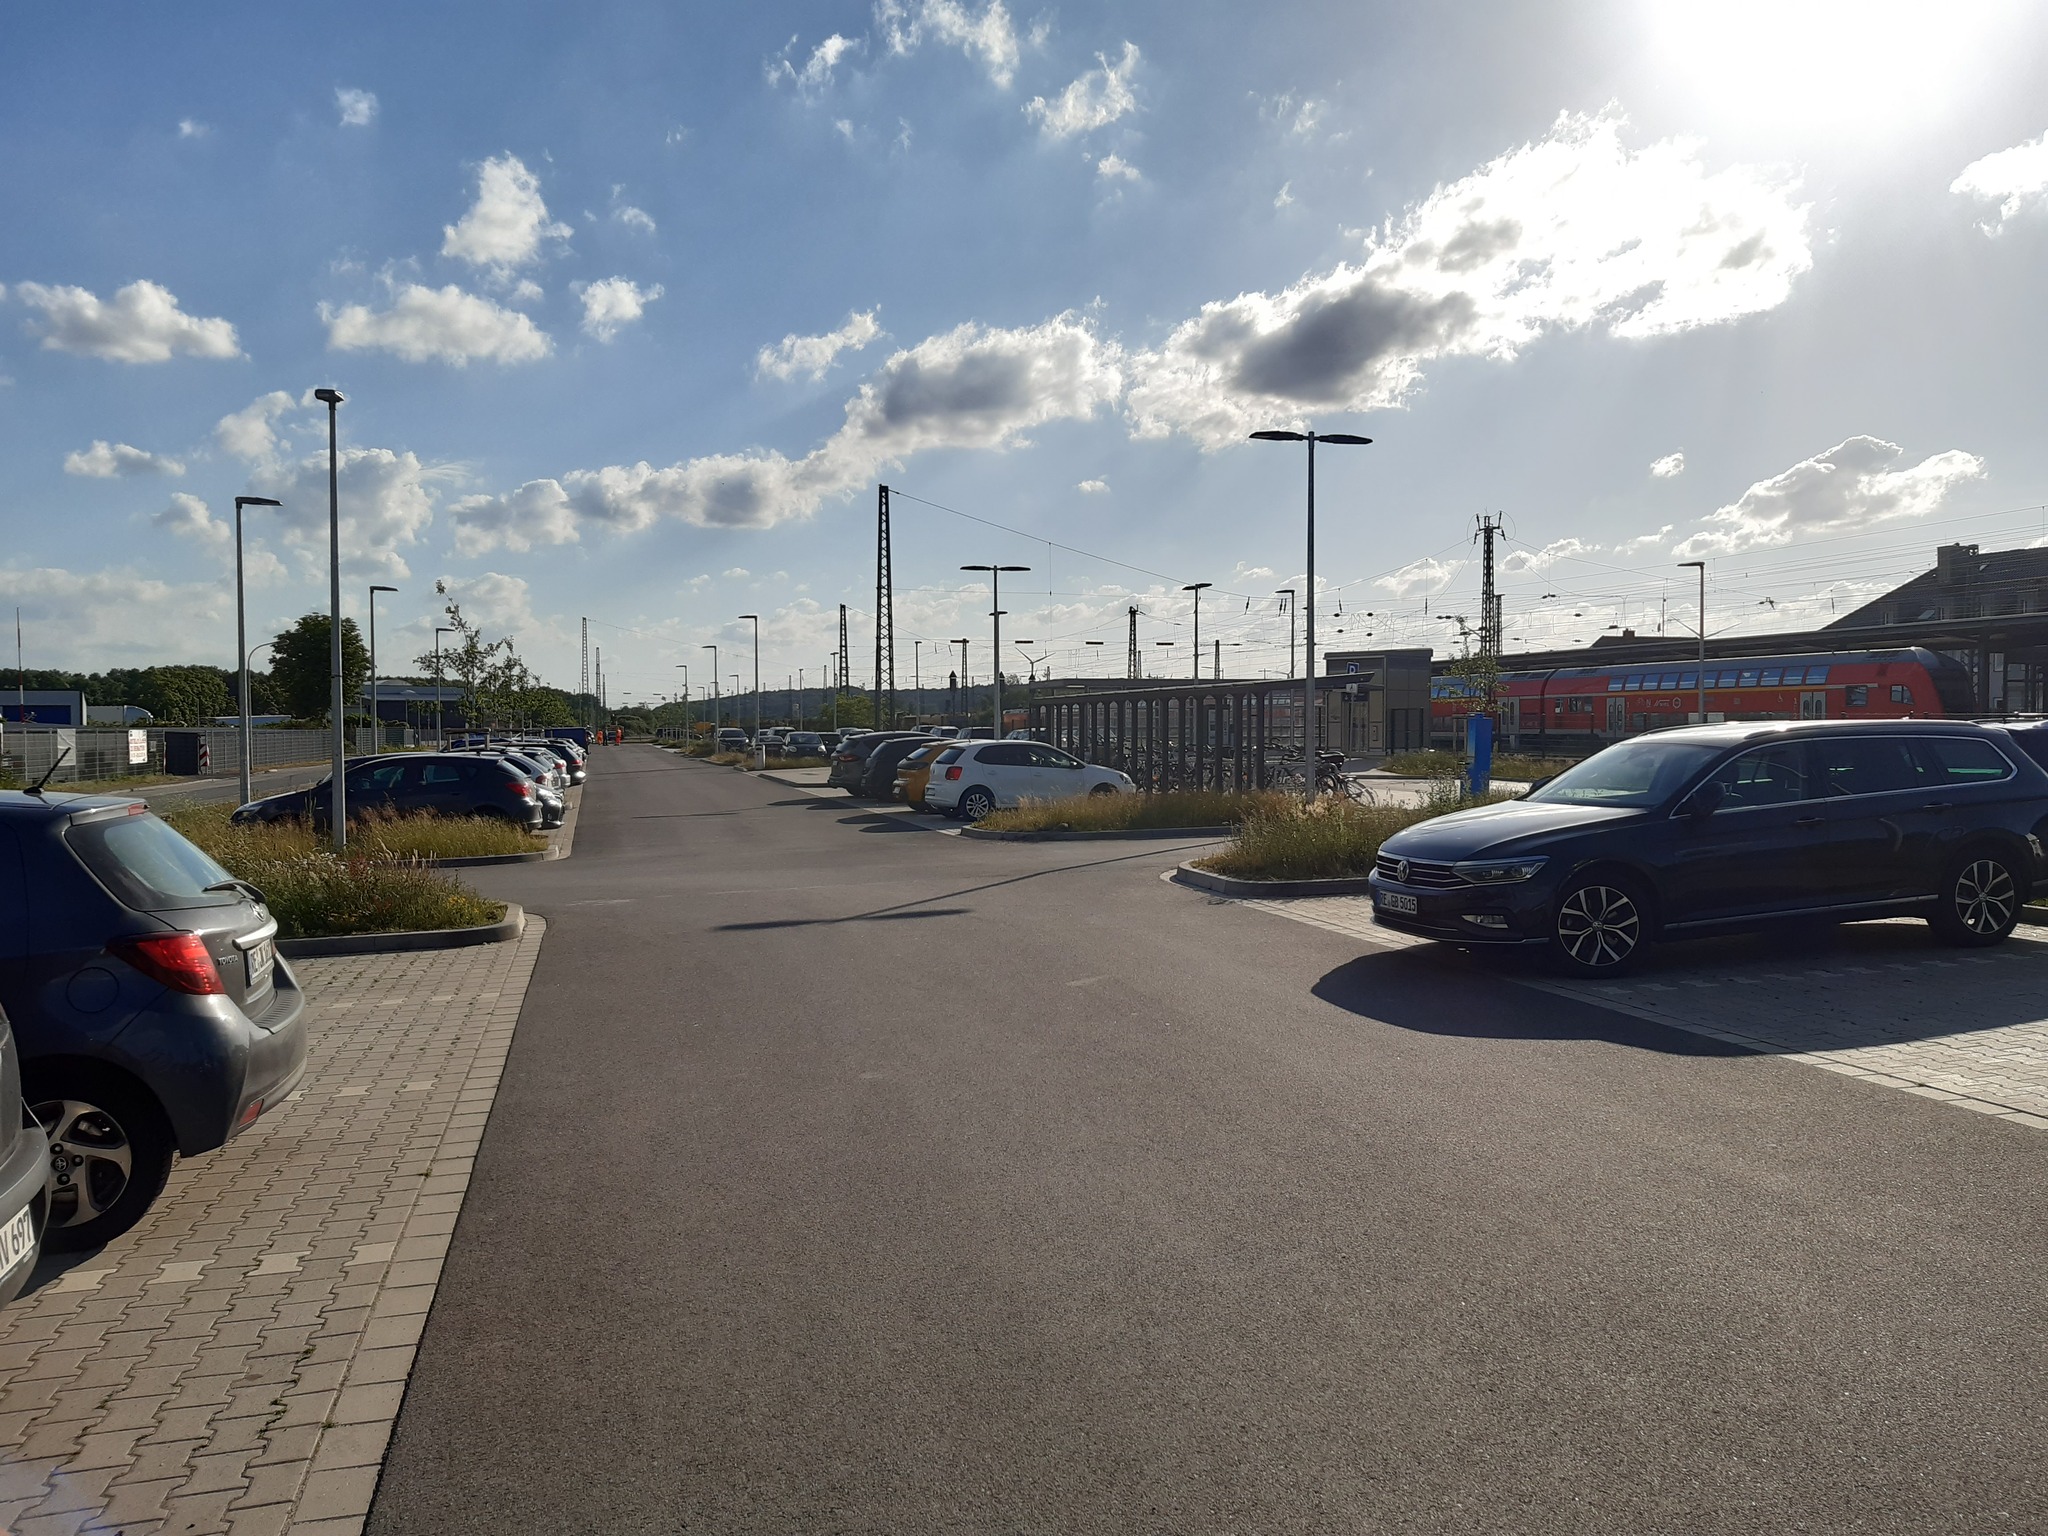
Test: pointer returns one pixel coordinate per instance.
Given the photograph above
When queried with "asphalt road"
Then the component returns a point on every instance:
(849, 1178)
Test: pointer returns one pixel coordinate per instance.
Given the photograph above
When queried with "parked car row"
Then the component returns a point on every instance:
(1723, 828)
(524, 782)
(965, 779)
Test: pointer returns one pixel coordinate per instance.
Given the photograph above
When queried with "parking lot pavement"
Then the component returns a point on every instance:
(234, 1363)
(1885, 1002)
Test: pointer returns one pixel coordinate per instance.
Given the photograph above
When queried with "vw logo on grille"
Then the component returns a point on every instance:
(1401, 871)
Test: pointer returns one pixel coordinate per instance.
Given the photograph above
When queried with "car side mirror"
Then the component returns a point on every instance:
(1704, 801)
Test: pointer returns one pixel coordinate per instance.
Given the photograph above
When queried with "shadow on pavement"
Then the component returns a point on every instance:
(885, 916)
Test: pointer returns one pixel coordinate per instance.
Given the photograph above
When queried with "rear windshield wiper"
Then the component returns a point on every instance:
(232, 884)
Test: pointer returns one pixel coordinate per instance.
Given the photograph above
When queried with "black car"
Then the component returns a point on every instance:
(153, 1014)
(430, 783)
(1716, 828)
(24, 1175)
(862, 768)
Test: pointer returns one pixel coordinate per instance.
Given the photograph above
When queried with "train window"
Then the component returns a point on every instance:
(1748, 678)
(1614, 684)
(1856, 695)
(1770, 677)
(1688, 679)
(1815, 676)
(1632, 682)
(1901, 693)
(1794, 676)
(1670, 680)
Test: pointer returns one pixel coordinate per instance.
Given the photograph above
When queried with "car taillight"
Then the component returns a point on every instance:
(953, 772)
(522, 789)
(178, 960)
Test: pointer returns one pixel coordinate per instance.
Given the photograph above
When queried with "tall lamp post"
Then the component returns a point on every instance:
(960, 693)
(760, 751)
(689, 733)
(440, 719)
(376, 720)
(717, 704)
(1701, 567)
(1196, 588)
(1308, 687)
(337, 703)
(1103, 643)
(995, 589)
(1289, 594)
(242, 632)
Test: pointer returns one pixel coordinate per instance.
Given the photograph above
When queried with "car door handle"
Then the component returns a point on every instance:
(1939, 805)
(1808, 821)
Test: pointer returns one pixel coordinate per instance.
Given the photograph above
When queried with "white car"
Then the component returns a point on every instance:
(973, 778)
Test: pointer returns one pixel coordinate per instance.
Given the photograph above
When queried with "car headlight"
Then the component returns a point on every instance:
(1499, 871)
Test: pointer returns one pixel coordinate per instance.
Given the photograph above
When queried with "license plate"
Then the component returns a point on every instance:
(260, 957)
(1394, 901)
(17, 1239)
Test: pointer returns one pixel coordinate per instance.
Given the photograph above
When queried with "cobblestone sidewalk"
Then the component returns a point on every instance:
(1884, 1002)
(234, 1364)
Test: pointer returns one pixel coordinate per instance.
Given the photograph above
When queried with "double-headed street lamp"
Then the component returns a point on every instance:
(1289, 594)
(1196, 587)
(1308, 742)
(242, 632)
(376, 720)
(995, 590)
(717, 704)
(760, 752)
(337, 701)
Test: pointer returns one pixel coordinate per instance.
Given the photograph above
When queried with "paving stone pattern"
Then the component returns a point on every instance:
(1880, 1001)
(234, 1364)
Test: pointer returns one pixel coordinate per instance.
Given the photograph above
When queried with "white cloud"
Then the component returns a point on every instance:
(1548, 555)
(1097, 99)
(386, 501)
(1420, 576)
(1670, 467)
(972, 387)
(635, 218)
(1284, 198)
(1851, 487)
(110, 461)
(537, 513)
(1116, 168)
(494, 600)
(612, 303)
(737, 573)
(140, 324)
(1093, 487)
(122, 617)
(2012, 178)
(192, 128)
(188, 518)
(247, 433)
(816, 74)
(437, 324)
(508, 223)
(1572, 231)
(813, 355)
(357, 108)
(1644, 541)
(987, 37)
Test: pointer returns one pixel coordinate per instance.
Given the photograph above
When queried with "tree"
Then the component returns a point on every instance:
(183, 695)
(300, 666)
(498, 688)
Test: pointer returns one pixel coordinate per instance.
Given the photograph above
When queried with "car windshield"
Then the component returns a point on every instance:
(148, 866)
(1630, 774)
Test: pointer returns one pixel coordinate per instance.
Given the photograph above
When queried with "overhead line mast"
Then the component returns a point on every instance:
(885, 619)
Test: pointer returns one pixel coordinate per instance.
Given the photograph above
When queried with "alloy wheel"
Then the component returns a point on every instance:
(91, 1160)
(1598, 926)
(1985, 897)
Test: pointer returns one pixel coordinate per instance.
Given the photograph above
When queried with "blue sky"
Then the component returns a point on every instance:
(634, 304)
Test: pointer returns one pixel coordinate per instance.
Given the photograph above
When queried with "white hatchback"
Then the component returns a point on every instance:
(976, 777)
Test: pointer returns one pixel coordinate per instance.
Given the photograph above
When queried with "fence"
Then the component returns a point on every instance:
(28, 754)
(1192, 735)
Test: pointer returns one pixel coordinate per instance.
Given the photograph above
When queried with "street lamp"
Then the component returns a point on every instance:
(1024, 645)
(337, 705)
(1168, 645)
(760, 752)
(1701, 567)
(1308, 689)
(440, 720)
(717, 704)
(1196, 588)
(689, 734)
(1097, 642)
(1289, 594)
(995, 592)
(376, 720)
(242, 631)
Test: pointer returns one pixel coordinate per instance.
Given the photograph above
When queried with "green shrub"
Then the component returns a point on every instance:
(1329, 838)
(1124, 813)
(1512, 766)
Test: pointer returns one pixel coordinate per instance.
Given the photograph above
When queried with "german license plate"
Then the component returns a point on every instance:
(17, 1239)
(260, 957)
(1394, 901)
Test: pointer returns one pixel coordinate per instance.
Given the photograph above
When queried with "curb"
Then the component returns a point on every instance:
(1132, 834)
(483, 859)
(510, 926)
(1230, 885)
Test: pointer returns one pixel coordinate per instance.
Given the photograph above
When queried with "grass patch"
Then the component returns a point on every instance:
(1329, 838)
(1451, 765)
(381, 885)
(1128, 813)
(746, 760)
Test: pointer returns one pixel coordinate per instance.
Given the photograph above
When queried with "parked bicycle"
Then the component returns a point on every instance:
(1287, 773)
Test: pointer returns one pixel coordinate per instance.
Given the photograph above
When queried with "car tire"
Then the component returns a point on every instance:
(1600, 926)
(976, 803)
(1980, 899)
(1103, 789)
(117, 1146)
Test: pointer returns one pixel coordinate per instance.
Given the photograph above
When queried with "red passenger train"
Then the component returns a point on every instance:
(1572, 706)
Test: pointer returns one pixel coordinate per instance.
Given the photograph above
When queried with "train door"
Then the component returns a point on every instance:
(1813, 705)
(1617, 717)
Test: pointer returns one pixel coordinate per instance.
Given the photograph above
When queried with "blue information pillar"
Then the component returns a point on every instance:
(1479, 740)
